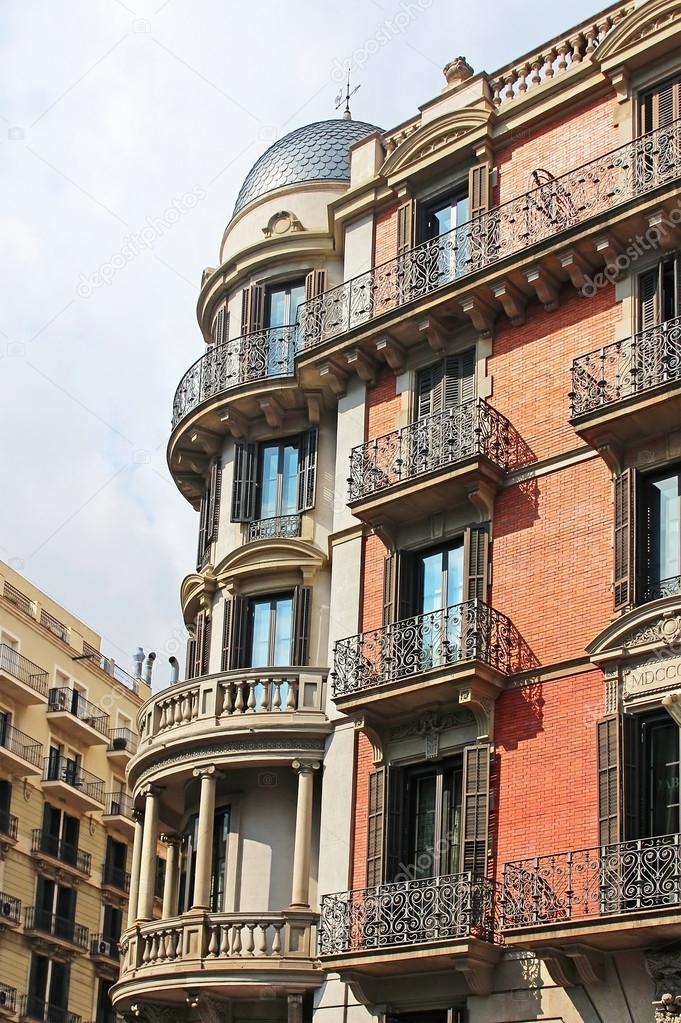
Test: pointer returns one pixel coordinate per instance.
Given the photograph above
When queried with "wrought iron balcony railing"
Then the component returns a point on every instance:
(8, 999)
(10, 908)
(663, 588)
(463, 632)
(122, 740)
(565, 202)
(407, 913)
(21, 745)
(8, 825)
(105, 945)
(261, 355)
(625, 369)
(58, 849)
(34, 1008)
(73, 702)
(68, 771)
(118, 804)
(274, 528)
(20, 667)
(434, 442)
(62, 928)
(115, 876)
(53, 625)
(642, 874)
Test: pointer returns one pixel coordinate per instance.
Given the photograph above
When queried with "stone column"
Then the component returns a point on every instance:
(135, 869)
(172, 880)
(295, 1008)
(145, 904)
(300, 895)
(204, 838)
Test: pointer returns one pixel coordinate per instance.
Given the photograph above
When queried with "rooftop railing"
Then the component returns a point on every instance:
(625, 369)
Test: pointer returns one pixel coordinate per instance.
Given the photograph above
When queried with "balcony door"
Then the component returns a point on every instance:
(444, 227)
(48, 989)
(278, 474)
(270, 631)
(60, 834)
(660, 542)
(281, 303)
(432, 809)
(658, 800)
(439, 594)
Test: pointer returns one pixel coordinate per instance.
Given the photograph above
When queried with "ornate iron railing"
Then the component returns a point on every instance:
(68, 771)
(413, 912)
(277, 527)
(663, 588)
(561, 203)
(261, 355)
(626, 368)
(434, 442)
(20, 667)
(58, 849)
(122, 740)
(10, 908)
(463, 632)
(627, 877)
(115, 876)
(9, 825)
(118, 804)
(73, 702)
(8, 999)
(38, 919)
(34, 1008)
(21, 745)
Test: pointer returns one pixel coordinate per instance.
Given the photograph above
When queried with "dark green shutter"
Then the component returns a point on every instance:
(396, 825)
(475, 808)
(625, 539)
(190, 658)
(244, 483)
(300, 639)
(389, 595)
(476, 545)
(375, 825)
(307, 469)
(631, 776)
(238, 647)
(406, 585)
(226, 633)
(213, 517)
(609, 780)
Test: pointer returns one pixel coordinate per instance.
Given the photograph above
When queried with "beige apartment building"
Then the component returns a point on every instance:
(68, 724)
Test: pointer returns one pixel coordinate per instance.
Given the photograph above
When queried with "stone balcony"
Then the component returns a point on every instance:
(81, 721)
(571, 908)
(226, 955)
(629, 390)
(20, 754)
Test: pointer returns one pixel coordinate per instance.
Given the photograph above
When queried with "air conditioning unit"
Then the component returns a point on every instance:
(104, 948)
(6, 909)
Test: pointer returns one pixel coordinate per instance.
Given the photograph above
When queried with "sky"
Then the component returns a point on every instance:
(126, 129)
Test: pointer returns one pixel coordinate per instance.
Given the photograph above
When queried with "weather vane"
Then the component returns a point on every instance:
(339, 98)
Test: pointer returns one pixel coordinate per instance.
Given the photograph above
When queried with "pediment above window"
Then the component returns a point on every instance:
(196, 591)
(656, 18)
(280, 557)
(436, 139)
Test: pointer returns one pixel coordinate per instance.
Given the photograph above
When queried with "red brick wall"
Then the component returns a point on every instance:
(560, 146)
(546, 795)
(385, 235)
(552, 559)
(530, 365)
(363, 766)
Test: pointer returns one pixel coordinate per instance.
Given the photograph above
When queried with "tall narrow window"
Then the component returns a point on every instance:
(282, 301)
(271, 629)
(279, 479)
(660, 539)
(659, 294)
(219, 860)
(446, 384)
(430, 837)
(446, 214)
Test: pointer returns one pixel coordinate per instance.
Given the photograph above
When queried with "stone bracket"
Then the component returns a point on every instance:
(206, 440)
(235, 423)
(513, 300)
(546, 287)
(336, 380)
(481, 314)
(609, 248)
(478, 975)
(392, 352)
(274, 413)
(314, 406)
(364, 723)
(574, 964)
(363, 366)
(434, 332)
(577, 267)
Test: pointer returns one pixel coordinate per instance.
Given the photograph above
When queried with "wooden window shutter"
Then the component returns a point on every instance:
(405, 227)
(405, 585)
(389, 595)
(226, 634)
(315, 284)
(478, 190)
(220, 322)
(375, 826)
(396, 824)
(609, 780)
(624, 583)
(300, 639)
(630, 742)
(213, 517)
(252, 309)
(661, 106)
(307, 469)
(190, 658)
(459, 379)
(649, 312)
(428, 381)
(244, 484)
(476, 548)
(203, 526)
(475, 809)
(239, 633)
(199, 643)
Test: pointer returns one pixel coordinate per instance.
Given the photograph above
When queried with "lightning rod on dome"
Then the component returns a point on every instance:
(347, 116)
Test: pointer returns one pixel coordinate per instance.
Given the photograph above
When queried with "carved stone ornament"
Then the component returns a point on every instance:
(282, 223)
(456, 72)
(664, 967)
(666, 630)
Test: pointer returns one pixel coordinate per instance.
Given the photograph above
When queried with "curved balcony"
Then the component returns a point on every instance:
(629, 389)
(271, 702)
(227, 953)
(510, 239)
(431, 464)
(460, 654)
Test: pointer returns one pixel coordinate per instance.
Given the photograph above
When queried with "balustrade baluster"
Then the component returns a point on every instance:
(177, 713)
(236, 940)
(276, 698)
(276, 938)
(537, 65)
(239, 702)
(249, 943)
(261, 948)
(251, 695)
(292, 694)
(213, 944)
(224, 940)
(228, 701)
(185, 708)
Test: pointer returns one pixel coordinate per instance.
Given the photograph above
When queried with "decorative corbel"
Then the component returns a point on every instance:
(235, 423)
(589, 963)
(620, 79)
(579, 269)
(336, 380)
(546, 287)
(668, 233)
(513, 301)
(274, 413)
(481, 497)
(612, 455)
(314, 406)
(434, 332)
(364, 724)
(561, 970)
(608, 247)
(480, 313)
(192, 461)
(478, 975)
(481, 709)
(385, 533)
(363, 366)
(392, 353)
(205, 440)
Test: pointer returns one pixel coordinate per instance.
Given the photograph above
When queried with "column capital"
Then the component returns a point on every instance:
(150, 790)
(305, 766)
(171, 839)
(204, 772)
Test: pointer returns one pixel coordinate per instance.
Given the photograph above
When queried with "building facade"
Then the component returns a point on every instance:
(68, 727)
(425, 761)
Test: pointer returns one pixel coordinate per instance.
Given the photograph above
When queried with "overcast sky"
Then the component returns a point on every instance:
(112, 112)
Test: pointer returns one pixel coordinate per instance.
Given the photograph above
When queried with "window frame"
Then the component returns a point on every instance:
(286, 287)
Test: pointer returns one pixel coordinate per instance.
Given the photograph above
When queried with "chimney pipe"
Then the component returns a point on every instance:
(138, 660)
(174, 670)
(148, 665)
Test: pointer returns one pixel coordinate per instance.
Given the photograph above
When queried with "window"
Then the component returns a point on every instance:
(447, 384)
(219, 861)
(274, 479)
(6, 824)
(270, 631)
(282, 301)
(659, 295)
(198, 646)
(105, 1010)
(60, 834)
(432, 806)
(55, 908)
(661, 106)
(115, 862)
(446, 214)
(48, 989)
(112, 924)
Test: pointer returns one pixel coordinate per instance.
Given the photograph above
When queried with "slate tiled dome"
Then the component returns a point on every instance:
(316, 152)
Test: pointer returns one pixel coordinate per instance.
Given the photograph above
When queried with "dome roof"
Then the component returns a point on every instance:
(315, 152)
